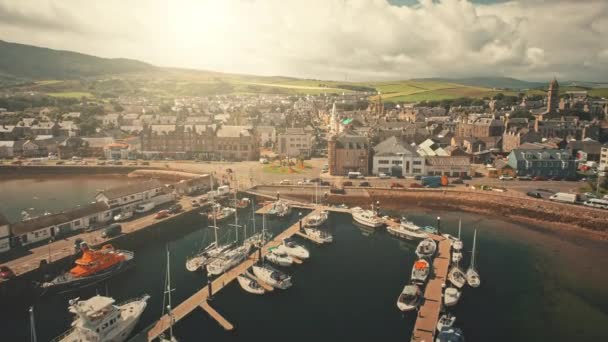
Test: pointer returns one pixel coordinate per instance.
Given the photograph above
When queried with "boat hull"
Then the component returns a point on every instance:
(73, 284)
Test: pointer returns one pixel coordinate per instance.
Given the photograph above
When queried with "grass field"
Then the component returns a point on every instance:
(284, 170)
(71, 94)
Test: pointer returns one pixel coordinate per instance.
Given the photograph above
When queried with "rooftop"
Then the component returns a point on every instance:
(131, 189)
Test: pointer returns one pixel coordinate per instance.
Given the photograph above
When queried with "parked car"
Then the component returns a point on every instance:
(534, 194)
(556, 178)
(101, 162)
(396, 185)
(364, 184)
(383, 176)
(285, 182)
(347, 183)
(458, 181)
(337, 190)
(77, 244)
(466, 177)
(524, 178)
(118, 162)
(123, 216)
(162, 214)
(176, 208)
(418, 177)
(16, 162)
(145, 163)
(112, 230)
(539, 178)
(61, 162)
(324, 183)
(416, 185)
(6, 273)
(505, 177)
(315, 180)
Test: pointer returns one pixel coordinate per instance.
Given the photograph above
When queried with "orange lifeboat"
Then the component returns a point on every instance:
(94, 261)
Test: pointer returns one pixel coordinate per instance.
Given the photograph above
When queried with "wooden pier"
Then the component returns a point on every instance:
(199, 299)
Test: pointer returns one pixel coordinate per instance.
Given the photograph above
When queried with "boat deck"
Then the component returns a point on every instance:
(199, 299)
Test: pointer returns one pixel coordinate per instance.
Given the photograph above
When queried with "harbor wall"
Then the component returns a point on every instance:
(24, 171)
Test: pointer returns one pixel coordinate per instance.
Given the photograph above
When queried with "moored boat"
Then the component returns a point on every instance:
(293, 249)
(220, 213)
(450, 334)
(227, 260)
(367, 218)
(317, 220)
(243, 203)
(278, 258)
(426, 248)
(420, 271)
(456, 276)
(319, 235)
(409, 298)
(472, 274)
(92, 267)
(451, 295)
(249, 284)
(272, 277)
(407, 230)
(445, 321)
(280, 209)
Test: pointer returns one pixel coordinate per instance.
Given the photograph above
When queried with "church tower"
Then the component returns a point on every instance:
(553, 97)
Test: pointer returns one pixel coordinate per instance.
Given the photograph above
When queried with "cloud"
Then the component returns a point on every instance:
(329, 39)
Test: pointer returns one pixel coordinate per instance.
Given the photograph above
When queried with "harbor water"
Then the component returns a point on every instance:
(531, 288)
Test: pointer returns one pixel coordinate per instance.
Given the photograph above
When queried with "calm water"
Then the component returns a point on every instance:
(348, 290)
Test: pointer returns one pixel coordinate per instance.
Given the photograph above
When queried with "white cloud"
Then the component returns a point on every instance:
(329, 39)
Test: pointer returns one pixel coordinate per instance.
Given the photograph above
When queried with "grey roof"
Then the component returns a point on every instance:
(540, 154)
(451, 161)
(131, 189)
(69, 215)
(394, 146)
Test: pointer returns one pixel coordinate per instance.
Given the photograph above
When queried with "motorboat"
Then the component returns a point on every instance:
(420, 271)
(319, 235)
(472, 274)
(220, 213)
(99, 319)
(278, 258)
(450, 334)
(367, 218)
(426, 248)
(280, 209)
(407, 230)
(227, 260)
(451, 296)
(457, 277)
(293, 249)
(317, 220)
(409, 298)
(94, 266)
(445, 321)
(250, 284)
(272, 276)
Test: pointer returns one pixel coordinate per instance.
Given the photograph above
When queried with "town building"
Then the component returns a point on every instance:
(542, 162)
(480, 127)
(348, 152)
(128, 197)
(451, 166)
(178, 140)
(553, 98)
(7, 149)
(294, 142)
(267, 135)
(5, 234)
(603, 165)
(396, 157)
(236, 143)
(515, 137)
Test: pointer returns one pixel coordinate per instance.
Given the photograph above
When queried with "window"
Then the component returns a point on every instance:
(417, 162)
(416, 170)
(397, 162)
(382, 161)
(77, 223)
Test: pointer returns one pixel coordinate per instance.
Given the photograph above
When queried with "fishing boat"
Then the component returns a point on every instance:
(445, 321)
(407, 230)
(472, 275)
(99, 319)
(278, 258)
(420, 271)
(410, 298)
(319, 235)
(220, 213)
(317, 220)
(293, 249)
(456, 276)
(451, 296)
(272, 277)
(450, 334)
(167, 296)
(368, 218)
(93, 266)
(250, 284)
(426, 248)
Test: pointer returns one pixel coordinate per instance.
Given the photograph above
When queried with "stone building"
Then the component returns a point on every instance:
(183, 140)
(236, 143)
(480, 127)
(553, 98)
(542, 162)
(295, 142)
(514, 137)
(348, 152)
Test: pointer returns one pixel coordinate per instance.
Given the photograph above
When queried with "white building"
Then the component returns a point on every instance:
(397, 158)
(127, 197)
(295, 142)
(5, 234)
(603, 166)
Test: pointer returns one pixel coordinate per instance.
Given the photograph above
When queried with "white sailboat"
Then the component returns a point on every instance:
(426, 248)
(409, 298)
(317, 220)
(230, 258)
(278, 258)
(272, 277)
(445, 321)
(456, 276)
(451, 295)
(293, 249)
(420, 271)
(205, 256)
(472, 275)
(167, 296)
(457, 246)
(249, 283)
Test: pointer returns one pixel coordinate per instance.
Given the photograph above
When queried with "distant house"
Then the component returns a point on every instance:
(395, 157)
(447, 166)
(55, 225)
(5, 234)
(542, 162)
(295, 142)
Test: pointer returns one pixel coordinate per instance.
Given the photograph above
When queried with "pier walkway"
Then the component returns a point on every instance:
(199, 299)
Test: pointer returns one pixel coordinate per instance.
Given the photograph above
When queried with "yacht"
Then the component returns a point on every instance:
(272, 277)
(220, 213)
(457, 277)
(242, 203)
(407, 230)
(472, 275)
(426, 248)
(211, 252)
(317, 220)
(420, 271)
(293, 249)
(227, 260)
(250, 284)
(450, 335)
(99, 319)
(280, 209)
(445, 321)
(319, 235)
(367, 218)
(451, 296)
(410, 298)
(278, 258)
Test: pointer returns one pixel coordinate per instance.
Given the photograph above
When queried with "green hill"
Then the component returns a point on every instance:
(21, 62)
(491, 82)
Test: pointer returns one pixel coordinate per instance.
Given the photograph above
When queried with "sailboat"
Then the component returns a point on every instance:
(257, 239)
(472, 275)
(249, 283)
(202, 258)
(451, 296)
(457, 246)
(167, 296)
(278, 258)
(456, 276)
(445, 321)
(272, 277)
(293, 249)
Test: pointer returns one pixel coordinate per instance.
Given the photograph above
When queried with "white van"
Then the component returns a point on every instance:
(354, 175)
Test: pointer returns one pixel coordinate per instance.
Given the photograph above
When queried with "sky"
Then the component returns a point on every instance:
(352, 40)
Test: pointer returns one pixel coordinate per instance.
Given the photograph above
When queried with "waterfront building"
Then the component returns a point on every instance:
(295, 142)
(117, 150)
(7, 149)
(267, 135)
(178, 140)
(603, 165)
(395, 157)
(542, 162)
(348, 152)
(585, 150)
(455, 166)
(127, 197)
(5, 234)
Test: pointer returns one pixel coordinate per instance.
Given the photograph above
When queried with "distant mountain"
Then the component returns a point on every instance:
(27, 62)
(491, 82)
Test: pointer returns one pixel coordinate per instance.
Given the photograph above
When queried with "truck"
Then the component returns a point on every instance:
(565, 197)
(112, 230)
(144, 207)
(434, 181)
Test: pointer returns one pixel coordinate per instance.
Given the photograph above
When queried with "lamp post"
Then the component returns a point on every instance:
(300, 219)
(439, 225)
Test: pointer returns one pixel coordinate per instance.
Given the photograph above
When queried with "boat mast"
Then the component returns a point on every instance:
(168, 293)
(33, 337)
(236, 216)
(459, 225)
(473, 256)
